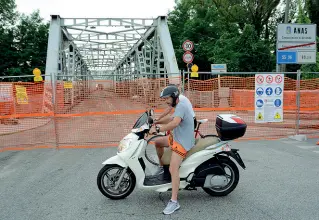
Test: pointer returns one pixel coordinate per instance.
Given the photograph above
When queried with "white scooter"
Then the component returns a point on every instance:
(204, 165)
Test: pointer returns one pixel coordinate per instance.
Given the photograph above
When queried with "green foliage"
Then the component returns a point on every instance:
(243, 52)
(302, 17)
(31, 37)
(7, 12)
(225, 31)
(312, 8)
(23, 41)
(240, 33)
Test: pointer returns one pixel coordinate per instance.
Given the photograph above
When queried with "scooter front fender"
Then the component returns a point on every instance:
(115, 160)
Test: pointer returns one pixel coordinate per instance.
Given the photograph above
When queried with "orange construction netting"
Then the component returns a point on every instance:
(98, 113)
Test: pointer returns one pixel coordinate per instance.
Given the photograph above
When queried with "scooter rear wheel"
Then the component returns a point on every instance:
(126, 186)
(226, 162)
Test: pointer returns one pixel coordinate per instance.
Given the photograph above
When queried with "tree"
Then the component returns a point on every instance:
(31, 42)
(224, 31)
(243, 52)
(302, 14)
(8, 53)
(312, 7)
(7, 49)
(254, 12)
(198, 21)
(303, 18)
(7, 12)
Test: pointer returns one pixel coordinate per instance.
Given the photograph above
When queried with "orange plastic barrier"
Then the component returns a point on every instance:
(98, 113)
(246, 98)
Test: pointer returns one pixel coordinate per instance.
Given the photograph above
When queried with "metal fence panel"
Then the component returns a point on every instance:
(26, 113)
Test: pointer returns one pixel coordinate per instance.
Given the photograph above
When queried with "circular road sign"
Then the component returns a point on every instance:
(188, 45)
(188, 57)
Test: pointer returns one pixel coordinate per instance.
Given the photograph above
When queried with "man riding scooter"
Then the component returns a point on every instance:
(181, 138)
(165, 118)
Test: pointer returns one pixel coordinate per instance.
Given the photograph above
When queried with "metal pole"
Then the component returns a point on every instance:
(286, 22)
(188, 81)
(298, 102)
(183, 83)
(287, 11)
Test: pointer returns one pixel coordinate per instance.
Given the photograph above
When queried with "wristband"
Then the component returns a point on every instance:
(157, 129)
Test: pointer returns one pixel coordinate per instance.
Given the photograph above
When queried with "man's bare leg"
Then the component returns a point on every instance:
(160, 143)
(176, 161)
(173, 204)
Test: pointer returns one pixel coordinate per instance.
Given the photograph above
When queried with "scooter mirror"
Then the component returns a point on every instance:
(151, 112)
(150, 120)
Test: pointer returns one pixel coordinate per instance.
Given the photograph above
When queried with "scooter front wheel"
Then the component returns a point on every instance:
(108, 185)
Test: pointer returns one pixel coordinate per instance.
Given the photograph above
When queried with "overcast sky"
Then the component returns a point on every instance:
(97, 8)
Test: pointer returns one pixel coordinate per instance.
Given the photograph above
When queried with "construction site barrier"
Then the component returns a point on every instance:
(99, 112)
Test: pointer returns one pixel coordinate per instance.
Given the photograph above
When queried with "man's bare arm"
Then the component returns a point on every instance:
(171, 125)
(165, 120)
(165, 113)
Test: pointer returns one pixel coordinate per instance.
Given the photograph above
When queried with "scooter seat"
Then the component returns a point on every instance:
(200, 144)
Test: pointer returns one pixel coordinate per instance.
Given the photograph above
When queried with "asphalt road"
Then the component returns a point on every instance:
(281, 182)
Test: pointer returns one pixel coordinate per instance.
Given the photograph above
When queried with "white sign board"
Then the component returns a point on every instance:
(6, 93)
(296, 32)
(219, 68)
(297, 41)
(295, 46)
(269, 89)
(305, 57)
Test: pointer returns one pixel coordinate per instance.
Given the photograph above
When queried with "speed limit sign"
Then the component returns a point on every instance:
(188, 45)
(188, 57)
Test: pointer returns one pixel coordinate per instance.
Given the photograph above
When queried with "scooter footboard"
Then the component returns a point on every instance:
(115, 160)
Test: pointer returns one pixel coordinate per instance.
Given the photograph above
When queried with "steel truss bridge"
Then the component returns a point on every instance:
(109, 48)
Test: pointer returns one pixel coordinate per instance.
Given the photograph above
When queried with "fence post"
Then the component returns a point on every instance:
(54, 103)
(298, 102)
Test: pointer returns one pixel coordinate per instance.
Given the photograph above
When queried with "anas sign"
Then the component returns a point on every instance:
(296, 32)
(296, 43)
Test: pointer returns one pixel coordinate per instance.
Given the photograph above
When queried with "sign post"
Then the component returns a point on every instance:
(296, 44)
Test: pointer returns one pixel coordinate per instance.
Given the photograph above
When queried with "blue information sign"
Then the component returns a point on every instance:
(285, 57)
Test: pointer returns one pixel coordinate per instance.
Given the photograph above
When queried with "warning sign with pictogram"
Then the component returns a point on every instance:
(260, 116)
(277, 116)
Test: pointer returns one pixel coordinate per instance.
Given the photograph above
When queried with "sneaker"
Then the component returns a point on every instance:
(159, 171)
(171, 207)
